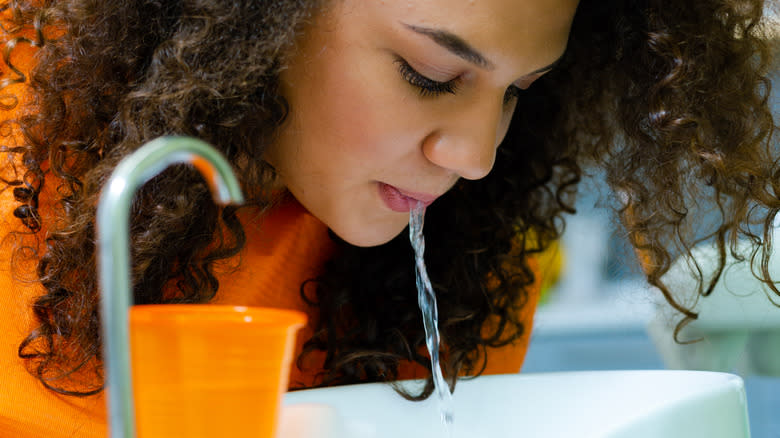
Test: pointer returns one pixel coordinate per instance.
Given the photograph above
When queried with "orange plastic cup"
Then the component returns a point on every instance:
(210, 370)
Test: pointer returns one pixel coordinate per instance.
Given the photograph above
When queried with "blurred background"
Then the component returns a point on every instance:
(602, 315)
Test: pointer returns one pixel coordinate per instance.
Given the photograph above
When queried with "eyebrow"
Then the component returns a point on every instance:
(454, 44)
(462, 49)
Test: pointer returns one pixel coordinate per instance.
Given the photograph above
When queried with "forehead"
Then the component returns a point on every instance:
(497, 28)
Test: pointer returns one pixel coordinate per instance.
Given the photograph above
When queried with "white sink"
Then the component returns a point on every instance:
(601, 404)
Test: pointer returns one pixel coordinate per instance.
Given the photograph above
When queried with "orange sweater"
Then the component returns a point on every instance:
(284, 248)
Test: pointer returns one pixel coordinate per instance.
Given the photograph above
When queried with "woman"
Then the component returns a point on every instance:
(338, 115)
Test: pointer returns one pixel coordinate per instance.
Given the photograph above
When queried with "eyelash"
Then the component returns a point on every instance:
(427, 87)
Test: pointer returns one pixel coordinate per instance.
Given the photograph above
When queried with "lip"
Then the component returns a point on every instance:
(403, 201)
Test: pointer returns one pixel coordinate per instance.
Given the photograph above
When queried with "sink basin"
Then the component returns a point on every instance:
(599, 404)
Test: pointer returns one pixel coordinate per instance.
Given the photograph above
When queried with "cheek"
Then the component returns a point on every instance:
(341, 111)
(355, 112)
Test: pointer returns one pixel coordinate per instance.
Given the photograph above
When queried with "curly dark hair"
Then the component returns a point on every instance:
(669, 97)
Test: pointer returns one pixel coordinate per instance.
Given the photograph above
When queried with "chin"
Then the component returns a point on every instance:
(367, 238)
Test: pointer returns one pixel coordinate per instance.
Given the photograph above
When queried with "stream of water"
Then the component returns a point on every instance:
(427, 301)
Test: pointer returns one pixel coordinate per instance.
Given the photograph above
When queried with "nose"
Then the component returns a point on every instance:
(466, 143)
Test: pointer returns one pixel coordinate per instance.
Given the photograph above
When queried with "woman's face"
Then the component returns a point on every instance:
(394, 101)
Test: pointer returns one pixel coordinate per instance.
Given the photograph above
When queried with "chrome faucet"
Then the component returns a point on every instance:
(113, 216)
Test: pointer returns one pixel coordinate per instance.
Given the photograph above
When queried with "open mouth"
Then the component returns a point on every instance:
(402, 201)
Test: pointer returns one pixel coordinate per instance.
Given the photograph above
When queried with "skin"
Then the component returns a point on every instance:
(356, 121)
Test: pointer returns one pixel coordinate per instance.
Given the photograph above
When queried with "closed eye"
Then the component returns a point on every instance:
(428, 87)
(425, 86)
